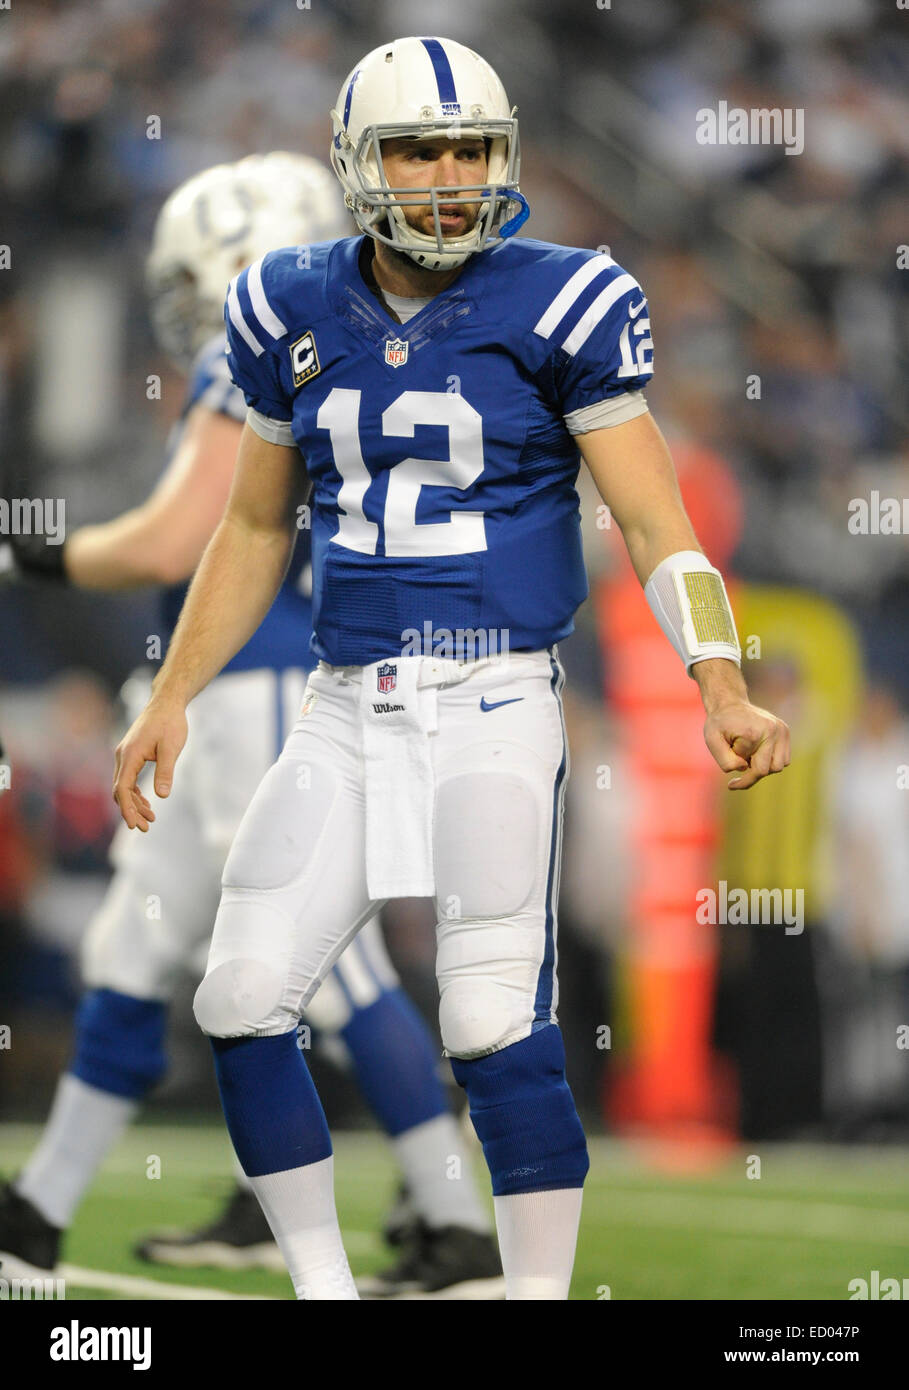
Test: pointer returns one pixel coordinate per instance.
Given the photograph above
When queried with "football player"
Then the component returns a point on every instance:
(162, 899)
(434, 379)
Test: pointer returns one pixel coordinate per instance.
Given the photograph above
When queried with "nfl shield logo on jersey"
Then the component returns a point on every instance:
(396, 352)
(386, 678)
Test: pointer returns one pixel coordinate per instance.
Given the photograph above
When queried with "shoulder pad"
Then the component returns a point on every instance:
(566, 291)
(264, 300)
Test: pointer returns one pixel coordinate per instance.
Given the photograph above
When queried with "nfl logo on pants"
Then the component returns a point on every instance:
(386, 678)
(396, 352)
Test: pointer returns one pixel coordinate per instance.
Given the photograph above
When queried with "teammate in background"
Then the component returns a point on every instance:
(433, 379)
(162, 899)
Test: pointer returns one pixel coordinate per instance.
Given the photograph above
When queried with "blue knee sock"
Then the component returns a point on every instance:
(119, 1043)
(395, 1062)
(273, 1113)
(525, 1116)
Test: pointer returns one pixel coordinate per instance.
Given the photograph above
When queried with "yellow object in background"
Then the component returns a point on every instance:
(809, 672)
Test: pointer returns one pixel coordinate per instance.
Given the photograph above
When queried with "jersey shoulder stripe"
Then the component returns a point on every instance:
(570, 292)
(236, 317)
(272, 293)
(566, 292)
(261, 308)
(623, 284)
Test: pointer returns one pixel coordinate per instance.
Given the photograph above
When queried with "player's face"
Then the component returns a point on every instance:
(412, 163)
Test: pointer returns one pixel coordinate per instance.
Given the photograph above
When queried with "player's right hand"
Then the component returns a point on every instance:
(157, 736)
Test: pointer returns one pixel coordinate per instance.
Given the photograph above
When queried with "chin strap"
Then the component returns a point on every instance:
(515, 223)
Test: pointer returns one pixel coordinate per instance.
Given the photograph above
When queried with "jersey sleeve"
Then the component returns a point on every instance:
(252, 327)
(599, 327)
(210, 383)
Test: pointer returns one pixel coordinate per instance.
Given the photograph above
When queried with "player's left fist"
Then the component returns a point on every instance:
(747, 740)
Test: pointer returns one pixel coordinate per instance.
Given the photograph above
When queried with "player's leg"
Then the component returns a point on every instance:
(451, 1252)
(499, 781)
(294, 894)
(448, 1249)
(245, 717)
(158, 902)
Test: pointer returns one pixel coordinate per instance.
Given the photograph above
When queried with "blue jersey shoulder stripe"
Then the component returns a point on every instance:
(235, 310)
(623, 284)
(570, 292)
(583, 302)
(264, 313)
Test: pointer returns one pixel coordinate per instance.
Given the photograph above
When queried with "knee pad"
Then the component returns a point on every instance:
(479, 1014)
(237, 998)
(119, 1043)
(487, 848)
(524, 1115)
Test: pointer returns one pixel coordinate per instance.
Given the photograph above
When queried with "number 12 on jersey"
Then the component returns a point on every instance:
(464, 532)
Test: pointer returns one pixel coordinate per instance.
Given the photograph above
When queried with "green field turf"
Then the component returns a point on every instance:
(654, 1227)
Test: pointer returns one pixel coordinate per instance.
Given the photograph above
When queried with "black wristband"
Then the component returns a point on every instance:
(34, 555)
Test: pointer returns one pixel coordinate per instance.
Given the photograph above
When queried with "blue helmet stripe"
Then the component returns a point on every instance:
(444, 75)
(349, 97)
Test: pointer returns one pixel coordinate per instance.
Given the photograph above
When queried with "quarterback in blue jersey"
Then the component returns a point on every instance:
(155, 921)
(435, 380)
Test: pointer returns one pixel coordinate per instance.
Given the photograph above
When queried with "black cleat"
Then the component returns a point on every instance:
(402, 1222)
(450, 1263)
(239, 1238)
(29, 1245)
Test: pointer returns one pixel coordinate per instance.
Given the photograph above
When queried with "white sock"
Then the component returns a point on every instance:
(299, 1205)
(240, 1177)
(439, 1175)
(82, 1128)
(538, 1232)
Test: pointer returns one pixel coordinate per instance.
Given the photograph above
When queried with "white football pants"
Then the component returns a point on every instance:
(295, 884)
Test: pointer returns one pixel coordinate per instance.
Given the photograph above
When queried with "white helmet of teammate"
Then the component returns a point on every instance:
(220, 221)
(426, 88)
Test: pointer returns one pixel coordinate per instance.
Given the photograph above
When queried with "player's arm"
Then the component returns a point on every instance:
(236, 582)
(634, 474)
(162, 540)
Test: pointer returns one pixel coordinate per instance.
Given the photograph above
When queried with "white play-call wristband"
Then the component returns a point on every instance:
(689, 601)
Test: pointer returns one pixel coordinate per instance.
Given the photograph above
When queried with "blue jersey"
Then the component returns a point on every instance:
(283, 639)
(443, 468)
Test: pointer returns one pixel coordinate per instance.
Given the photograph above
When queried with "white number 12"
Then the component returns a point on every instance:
(404, 535)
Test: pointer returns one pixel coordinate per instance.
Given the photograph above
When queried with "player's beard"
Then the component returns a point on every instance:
(404, 262)
(422, 220)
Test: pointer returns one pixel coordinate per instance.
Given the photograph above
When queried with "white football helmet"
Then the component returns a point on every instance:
(220, 221)
(426, 88)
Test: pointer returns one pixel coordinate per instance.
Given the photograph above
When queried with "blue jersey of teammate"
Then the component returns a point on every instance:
(283, 639)
(441, 450)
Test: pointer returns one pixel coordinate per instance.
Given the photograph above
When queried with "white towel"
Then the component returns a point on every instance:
(397, 718)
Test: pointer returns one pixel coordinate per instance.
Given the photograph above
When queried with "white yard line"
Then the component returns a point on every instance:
(136, 1287)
